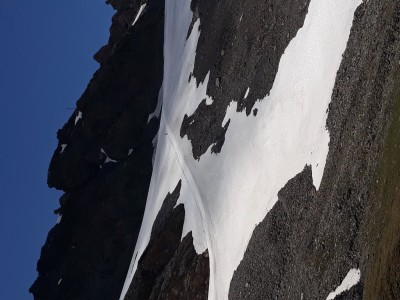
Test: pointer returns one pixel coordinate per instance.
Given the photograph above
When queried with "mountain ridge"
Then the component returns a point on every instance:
(110, 151)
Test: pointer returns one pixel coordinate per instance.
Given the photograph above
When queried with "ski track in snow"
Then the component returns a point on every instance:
(240, 185)
(351, 279)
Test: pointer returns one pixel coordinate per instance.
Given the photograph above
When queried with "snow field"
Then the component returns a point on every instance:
(227, 195)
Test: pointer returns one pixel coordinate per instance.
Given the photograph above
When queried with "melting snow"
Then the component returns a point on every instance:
(351, 279)
(78, 117)
(239, 186)
(139, 13)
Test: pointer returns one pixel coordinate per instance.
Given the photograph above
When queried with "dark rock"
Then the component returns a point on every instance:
(170, 268)
(251, 36)
(309, 240)
(355, 293)
(103, 206)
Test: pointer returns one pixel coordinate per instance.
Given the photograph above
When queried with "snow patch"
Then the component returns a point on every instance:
(78, 117)
(59, 217)
(154, 142)
(58, 283)
(108, 159)
(247, 93)
(142, 7)
(130, 151)
(63, 146)
(157, 111)
(351, 279)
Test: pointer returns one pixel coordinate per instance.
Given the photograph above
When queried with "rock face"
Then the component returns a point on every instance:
(309, 240)
(102, 208)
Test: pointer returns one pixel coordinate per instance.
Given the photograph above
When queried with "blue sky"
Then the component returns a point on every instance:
(46, 50)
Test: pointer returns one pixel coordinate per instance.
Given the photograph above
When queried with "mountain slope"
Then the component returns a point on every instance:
(233, 149)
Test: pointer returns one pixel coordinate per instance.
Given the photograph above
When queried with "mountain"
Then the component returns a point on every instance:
(233, 150)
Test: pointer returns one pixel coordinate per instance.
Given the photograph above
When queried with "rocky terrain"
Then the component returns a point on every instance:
(312, 236)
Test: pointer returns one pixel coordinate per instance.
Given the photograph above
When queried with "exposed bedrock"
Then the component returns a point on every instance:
(310, 240)
(240, 46)
(170, 268)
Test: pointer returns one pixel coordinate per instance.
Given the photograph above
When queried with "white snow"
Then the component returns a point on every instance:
(247, 93)
(351, 279)
(139, 13)
(108, 159)
(209, 101)
(59, 217)
(239, 186)
(58, 283)
(78, 117)
(157, 111)
(63, 146)
(154, 142)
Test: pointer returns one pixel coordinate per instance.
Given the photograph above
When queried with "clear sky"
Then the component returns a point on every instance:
(46, 50)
